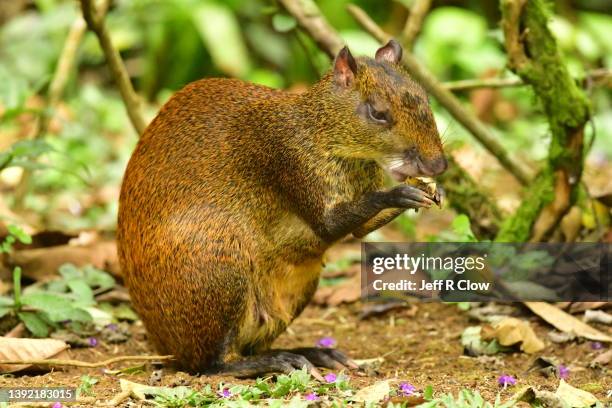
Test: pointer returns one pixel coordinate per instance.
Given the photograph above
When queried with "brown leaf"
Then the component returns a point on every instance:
(510, 331)
(602, 359)
(577, 307)
(38, 263)
(27, 349)
(565, 322)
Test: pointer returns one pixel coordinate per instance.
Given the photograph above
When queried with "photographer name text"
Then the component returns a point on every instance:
(440, 284)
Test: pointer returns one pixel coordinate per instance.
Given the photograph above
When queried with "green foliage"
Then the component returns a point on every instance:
(456, 44)
(466, 399)
(86, 386)
(15, 233)
(461, 231)
(66, 299)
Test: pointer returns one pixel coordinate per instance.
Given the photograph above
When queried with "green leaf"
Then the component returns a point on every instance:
(82, 291)
(69, 271)
(461, 227)
(34, 323)
(220, 32)
(97, 278)
(57, 307)
(283, 23)
(4, 311)
(6, 301)
(20, 234)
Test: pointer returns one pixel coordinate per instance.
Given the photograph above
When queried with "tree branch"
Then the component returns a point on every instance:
(309, 17)
(534, 56)
(414, 23)
(448, 100)
(78, 363)
(95, 22)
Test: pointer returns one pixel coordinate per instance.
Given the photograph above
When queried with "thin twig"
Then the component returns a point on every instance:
(308, 16)
(78, 363)
(414, 22)
(468, 84)
(597, 77)
(448, 100)
(95, 22)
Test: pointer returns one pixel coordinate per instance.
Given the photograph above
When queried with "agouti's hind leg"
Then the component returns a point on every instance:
(286, 361)
(325, 357)
(274, 361)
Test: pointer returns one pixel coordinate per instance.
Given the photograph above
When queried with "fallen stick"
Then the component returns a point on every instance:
(77, 363)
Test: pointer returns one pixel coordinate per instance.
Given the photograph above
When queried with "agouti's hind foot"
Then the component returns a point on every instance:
(326, 357)
(276, 361)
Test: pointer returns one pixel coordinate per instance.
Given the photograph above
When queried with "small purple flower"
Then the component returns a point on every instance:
(112, 327)
(225, 393)
(57, 405)
(407, 389)
(93, 342)
(331, 378)
(595, 345)
(326, 342)
(506, 380)
(311, 397)
(563, 372)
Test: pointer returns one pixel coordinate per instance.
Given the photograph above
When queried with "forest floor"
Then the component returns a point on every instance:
(420, 345)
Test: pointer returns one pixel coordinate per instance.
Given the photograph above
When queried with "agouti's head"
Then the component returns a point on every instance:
(386, 114)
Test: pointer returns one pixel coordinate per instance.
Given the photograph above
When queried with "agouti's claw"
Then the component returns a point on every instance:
(316, 374)
(440, 196)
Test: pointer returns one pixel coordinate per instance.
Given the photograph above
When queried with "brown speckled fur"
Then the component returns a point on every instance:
(222, 220)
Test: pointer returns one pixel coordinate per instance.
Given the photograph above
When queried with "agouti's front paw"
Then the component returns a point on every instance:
(405, 196)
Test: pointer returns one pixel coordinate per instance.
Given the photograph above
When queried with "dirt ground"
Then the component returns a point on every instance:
(420, 345)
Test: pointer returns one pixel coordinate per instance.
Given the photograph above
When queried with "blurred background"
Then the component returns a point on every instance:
(75, 164)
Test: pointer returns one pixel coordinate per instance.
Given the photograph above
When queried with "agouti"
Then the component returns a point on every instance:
(236, 190)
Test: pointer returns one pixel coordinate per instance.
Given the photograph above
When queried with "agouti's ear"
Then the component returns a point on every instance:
(392, 52)
(345, 68)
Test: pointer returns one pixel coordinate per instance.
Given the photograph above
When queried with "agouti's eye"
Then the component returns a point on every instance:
(380, 117)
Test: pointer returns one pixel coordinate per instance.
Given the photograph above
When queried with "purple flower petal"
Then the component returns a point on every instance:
(595, 345)
(407, 389)
(112, 327)
(331, 378)
(563, 372)
(57, 405)
(326, 342)
(93, 342)
(311, 397)
(506, 380)
(225, 393)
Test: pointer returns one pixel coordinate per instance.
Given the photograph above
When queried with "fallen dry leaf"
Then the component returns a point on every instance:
(602, 359)
(575, 397)
(39, 263)
(565, 322)
(597, 316)
(511, 331)
(27, 349)
(577, 307)
(346, 292)
(373, 393)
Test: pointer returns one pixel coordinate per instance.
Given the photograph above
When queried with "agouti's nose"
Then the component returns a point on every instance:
(438, 166)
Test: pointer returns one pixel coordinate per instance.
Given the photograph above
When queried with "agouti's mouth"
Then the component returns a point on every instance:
(403, 170)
